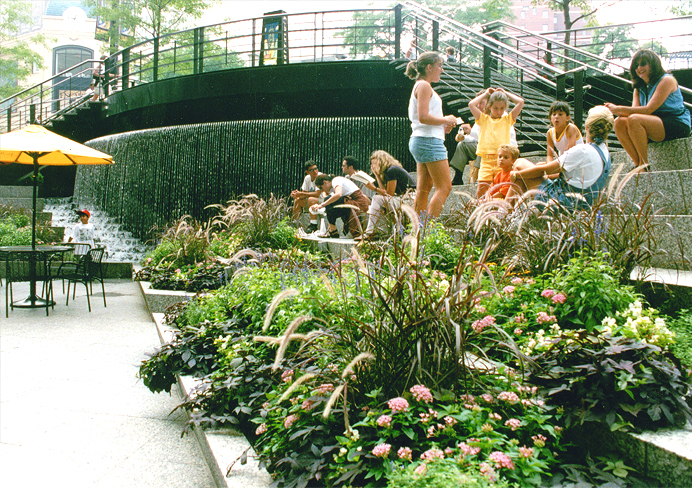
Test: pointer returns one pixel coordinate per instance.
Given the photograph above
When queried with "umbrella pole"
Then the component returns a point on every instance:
(33, 214)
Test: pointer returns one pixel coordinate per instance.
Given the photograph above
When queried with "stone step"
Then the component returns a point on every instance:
(221, 448)
(22, 202)
(663, 156)
(16, 192)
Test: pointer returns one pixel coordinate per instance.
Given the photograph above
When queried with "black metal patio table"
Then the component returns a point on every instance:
(34, 254)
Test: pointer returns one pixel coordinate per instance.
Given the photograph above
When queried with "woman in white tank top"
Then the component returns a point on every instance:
(429, 127)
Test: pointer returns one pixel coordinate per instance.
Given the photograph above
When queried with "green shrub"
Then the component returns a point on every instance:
(615, 380)
(681, 326)
(443, 473)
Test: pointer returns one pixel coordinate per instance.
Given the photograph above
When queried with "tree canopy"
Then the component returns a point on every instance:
(17, 58)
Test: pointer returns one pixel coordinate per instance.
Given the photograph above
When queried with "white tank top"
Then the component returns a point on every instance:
(434, 108)
(561, 142)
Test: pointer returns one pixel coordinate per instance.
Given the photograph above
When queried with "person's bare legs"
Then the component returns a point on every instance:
(432, 174)
(442, 181)
(424, 183)
(634, 131)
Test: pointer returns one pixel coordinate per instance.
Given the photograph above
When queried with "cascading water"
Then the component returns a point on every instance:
(162, 174)
(120, 245)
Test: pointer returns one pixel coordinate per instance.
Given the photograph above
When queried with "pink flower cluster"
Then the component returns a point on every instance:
(468, 450)
(539, 440)
(287, 376)
(519, 318)
(487, 397)
(488, 471)
(421, 469)
(384, 421)
(516, 281)
(398, 404)
(290, 420)
(324, 388)
(450, 421)
(481, 324)
(261, 429)
(501, 460)
(513, 424)
(544, 318)
(308, 405)
(508, 396)
(509, 289)
(432, 454)
(559, 298)
(547, 293)
(421, 393)
(526, 452)
(381, 450)
(404, 453)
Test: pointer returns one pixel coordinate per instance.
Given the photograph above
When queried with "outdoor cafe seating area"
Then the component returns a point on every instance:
(40, 266)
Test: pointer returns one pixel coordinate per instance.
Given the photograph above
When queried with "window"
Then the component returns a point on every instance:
(555, 20)
(65, 57)
(523, 14)
(545, 14)
(545, 27)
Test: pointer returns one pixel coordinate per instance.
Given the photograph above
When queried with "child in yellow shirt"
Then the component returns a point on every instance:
(494, 126)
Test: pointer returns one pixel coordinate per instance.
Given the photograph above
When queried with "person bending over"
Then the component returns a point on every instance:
(393, 181)
(343, 192)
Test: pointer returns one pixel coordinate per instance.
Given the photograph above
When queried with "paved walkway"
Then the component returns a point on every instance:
(72, 412)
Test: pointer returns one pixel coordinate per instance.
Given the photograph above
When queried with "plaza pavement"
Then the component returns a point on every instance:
(72, 411)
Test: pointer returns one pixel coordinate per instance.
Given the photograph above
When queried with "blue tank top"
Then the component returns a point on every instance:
(672, 106)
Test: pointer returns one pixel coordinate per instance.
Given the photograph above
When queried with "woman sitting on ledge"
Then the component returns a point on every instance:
(657, 112)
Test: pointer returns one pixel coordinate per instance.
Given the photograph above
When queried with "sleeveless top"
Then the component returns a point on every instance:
(672, 106)
(560, 143)
(434, 108)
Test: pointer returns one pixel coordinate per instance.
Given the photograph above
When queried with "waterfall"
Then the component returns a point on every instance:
(121, 246)
(161, 174)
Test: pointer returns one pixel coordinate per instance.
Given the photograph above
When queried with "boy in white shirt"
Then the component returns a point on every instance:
(83, 231)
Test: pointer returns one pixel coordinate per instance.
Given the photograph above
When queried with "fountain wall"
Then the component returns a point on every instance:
(162, 174)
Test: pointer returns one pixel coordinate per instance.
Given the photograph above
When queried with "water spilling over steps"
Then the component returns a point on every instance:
(120, 245)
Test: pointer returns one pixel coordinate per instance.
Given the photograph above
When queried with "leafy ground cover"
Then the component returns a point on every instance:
(460, 352)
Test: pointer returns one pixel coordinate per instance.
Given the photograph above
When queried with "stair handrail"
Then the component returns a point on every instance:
(562, 45)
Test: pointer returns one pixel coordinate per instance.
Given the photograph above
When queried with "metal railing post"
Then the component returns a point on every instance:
(435, 35)
(9, 119)
(198, 51)
(126, 69)
(560, 90)
(486, 66)
(155, 73)
(578, 97)
(254, 34)
(397, 31)
(32, 113)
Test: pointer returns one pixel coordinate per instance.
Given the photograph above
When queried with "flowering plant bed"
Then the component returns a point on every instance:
(396, 365)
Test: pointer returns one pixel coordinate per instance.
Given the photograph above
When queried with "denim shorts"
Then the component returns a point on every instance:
(427, 149)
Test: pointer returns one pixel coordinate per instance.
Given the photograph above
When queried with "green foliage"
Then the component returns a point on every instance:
(443, 473)
(17, 57)
(593, 290)
(370, 33)
(430, 426)
(440, 248)
(681, 326)
(618, 381)
(15, 229)
(259, 223)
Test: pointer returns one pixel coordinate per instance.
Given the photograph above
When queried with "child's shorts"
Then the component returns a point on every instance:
(427, 149)
(489, 168)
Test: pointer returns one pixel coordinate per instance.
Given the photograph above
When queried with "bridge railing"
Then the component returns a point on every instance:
(44, 100)
(501, 50)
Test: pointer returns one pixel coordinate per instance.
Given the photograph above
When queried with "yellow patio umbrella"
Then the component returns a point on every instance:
(38, 146)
